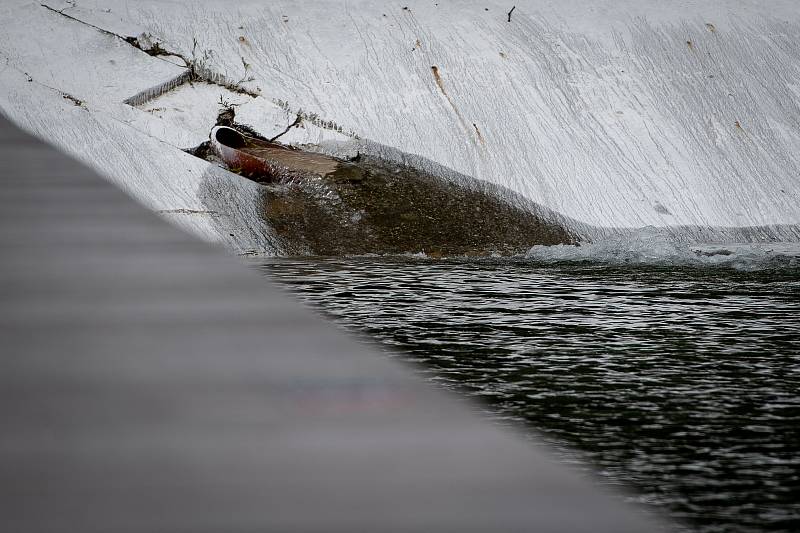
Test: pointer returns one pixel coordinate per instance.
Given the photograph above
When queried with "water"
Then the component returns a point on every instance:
(681, 383)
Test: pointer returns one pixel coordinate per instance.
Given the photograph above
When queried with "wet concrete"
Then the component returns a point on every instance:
(391, 209)
(369, 205)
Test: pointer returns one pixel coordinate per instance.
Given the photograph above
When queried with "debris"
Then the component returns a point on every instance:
(509, 13)
(480, 136)
(146, 43)
(76, 101)
(71, 4)
(313, 118)
(225, 103)
(189, 212)
(298, 119)
(245, 77)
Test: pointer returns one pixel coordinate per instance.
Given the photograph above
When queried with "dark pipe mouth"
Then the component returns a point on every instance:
(229, 137)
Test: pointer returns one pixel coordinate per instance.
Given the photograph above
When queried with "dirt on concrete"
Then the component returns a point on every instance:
(392, 209)
(373, 206)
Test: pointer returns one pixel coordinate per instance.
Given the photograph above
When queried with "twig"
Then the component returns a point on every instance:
(226, 104)
(71, 4)
(290, 126)
(245, 77)
(509, 13)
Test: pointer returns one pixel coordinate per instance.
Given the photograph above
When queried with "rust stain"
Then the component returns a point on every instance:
(690, 45)
(439, 81)
(738, 124)
(711, 27)
(417, 45)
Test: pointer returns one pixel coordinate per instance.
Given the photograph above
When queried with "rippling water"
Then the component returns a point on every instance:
(682, 383)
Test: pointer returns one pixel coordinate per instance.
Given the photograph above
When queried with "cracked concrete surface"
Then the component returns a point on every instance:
(598, 115)
(185, 102)
(608, 122)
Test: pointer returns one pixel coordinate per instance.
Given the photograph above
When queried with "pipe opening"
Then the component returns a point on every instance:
(229, 137)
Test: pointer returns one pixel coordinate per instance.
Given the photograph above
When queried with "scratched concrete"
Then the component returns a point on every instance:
(150, 382)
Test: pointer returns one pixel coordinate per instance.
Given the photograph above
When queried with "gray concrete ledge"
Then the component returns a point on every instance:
(150, 382)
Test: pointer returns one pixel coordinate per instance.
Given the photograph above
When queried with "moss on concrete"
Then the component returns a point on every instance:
(384, 208)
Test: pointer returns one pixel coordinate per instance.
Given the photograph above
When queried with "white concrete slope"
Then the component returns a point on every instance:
(615, 113)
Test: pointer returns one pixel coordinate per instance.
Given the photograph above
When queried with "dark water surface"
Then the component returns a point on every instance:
(681, 383)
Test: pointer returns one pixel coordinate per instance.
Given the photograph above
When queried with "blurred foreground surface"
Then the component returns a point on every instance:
(151, 383)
